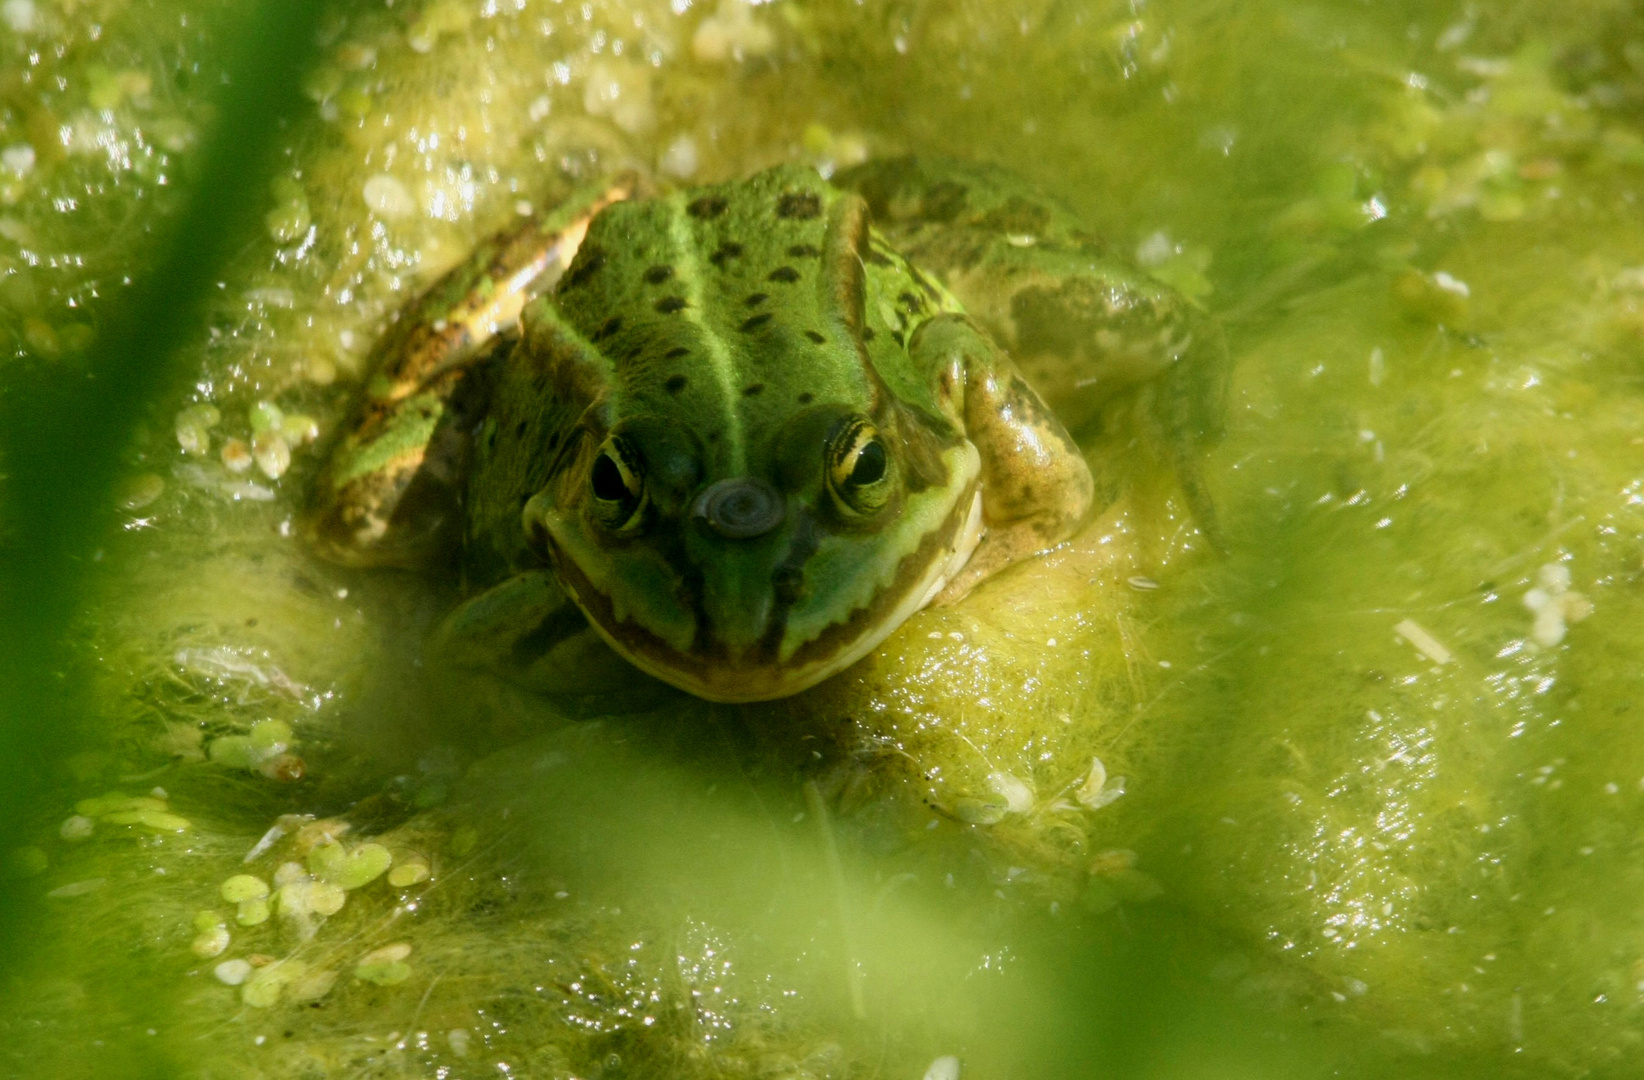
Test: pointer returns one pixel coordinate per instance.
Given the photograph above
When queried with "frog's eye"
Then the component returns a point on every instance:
(859, 469)
(617, 486)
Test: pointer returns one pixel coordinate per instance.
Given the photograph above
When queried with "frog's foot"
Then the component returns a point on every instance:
(527, 631)
(1092, 344)
(1036, 488)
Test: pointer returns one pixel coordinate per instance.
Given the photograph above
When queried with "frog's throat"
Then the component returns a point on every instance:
(944, 553)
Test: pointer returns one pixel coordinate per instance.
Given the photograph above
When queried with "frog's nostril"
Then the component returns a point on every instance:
(740, 508)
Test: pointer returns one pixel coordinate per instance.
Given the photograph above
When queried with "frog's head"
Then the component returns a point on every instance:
(744, 505)
(744, 585)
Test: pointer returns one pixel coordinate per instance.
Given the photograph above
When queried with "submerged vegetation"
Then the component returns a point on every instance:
(1358, 798)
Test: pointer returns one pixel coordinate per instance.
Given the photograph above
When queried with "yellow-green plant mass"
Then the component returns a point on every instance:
(1359, 797)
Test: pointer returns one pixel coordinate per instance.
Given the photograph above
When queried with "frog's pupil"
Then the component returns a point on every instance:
(607, 479)
(870, 464)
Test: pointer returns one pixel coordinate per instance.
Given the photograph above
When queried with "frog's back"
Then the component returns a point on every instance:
(711, 306)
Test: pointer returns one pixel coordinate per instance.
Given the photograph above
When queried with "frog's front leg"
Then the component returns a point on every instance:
(527, 630)
(1087, 330)
(1036, 488)
(389, 492)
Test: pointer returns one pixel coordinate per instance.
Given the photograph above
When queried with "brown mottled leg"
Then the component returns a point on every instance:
(389, 494)
(1036, 487)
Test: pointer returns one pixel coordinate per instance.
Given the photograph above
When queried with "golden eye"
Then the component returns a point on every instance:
(617, 486)
(859, 469)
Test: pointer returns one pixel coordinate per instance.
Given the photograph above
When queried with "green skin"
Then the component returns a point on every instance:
(740, 433)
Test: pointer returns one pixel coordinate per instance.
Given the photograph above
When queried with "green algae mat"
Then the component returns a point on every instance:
(1361, 796)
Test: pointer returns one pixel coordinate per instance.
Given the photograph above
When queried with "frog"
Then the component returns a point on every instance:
(734, 435)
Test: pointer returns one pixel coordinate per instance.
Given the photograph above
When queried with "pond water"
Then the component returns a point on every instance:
(1372, 791)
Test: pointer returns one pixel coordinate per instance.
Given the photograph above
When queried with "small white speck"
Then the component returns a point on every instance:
(388, 197)
(19, 15)
(18, 158)
(680, 158)
(1164, 663)
(945, 1067)
(1050, 642)
(1451, 284)
(1425, 643)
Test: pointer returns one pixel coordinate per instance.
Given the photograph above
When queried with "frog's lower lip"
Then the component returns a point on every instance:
(708, 670)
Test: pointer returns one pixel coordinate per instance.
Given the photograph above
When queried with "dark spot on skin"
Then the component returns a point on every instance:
(798, 204)
(611, 326)
(519, 430)
(942, 201)
(788, 582)
(814, 336)
(755, 322)
(913, 303)
(656, 275)
(553, 440)
(634, 350)
(784, 273)
(756, 299)
(713, 436)
(877, 258)
(670, 304)
(675, 384)
(901, 340)
(753, 390)
(867, 333)
(707, 206)
(676, 352)
(925, 286)
(589, 261)
(806, 398)
(805, 251)
(726, 251)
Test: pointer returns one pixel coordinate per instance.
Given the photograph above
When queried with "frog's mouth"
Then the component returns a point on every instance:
(708, 668)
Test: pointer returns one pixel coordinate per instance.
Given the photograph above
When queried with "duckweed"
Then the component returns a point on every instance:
(267, 983)
(154, 820)
(77, 827)
(385, 966)
(141, 490)
(242, 887)
(193, 428)
(349, 868)
(408, 872)
(232, 972)
(253, 912)
(271, 453)
(211, 942)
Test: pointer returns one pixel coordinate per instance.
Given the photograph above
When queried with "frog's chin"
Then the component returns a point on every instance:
(736, 683)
